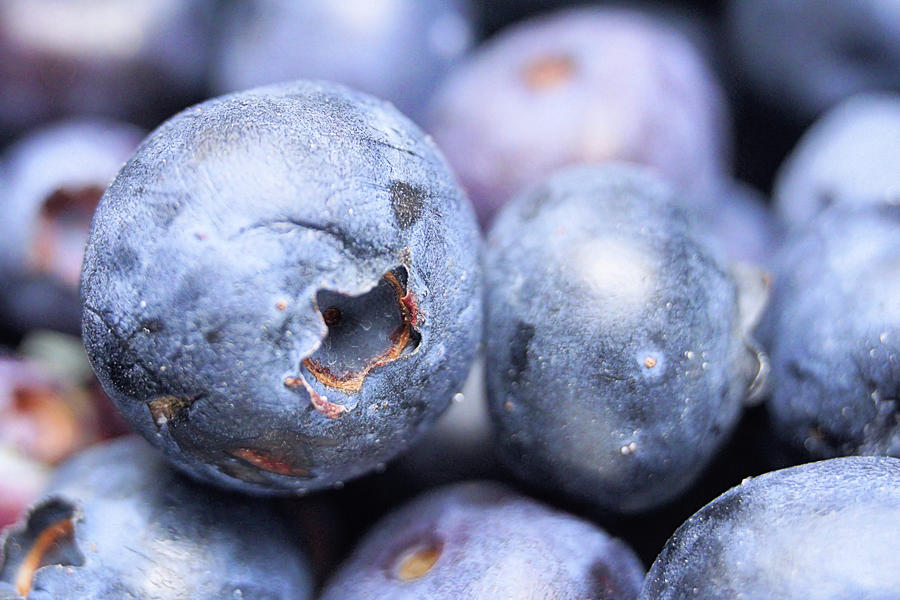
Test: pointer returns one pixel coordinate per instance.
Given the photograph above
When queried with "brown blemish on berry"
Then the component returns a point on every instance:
(509, 406)
(269, 463)
(331, 410)
(418, 561)
(548, 72)
(166, 408)
(407, 202)
(649, 362)
(53, 536)
(351, 382)
(281, 305)
(65, 210)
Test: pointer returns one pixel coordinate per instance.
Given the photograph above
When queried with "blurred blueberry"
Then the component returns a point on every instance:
(393, 49)
(617, 347)
(117, 523)
(481, 540)
(282, 287)
(822, 531)
(741, 226)
(835, 324)
(850, 156)
(583, 85)
(52, 180)
(807, 55)
(138, 60)
(22, 479)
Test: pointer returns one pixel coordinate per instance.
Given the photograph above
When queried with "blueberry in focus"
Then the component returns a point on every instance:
(281, 288)
(132, 60)
(835, 327)
(116, 522)
(394, 49)
(617, 345)
(805, 56)
(820, 531)
(482, 540)
(849, 156)
(583, 85)
(52, 180)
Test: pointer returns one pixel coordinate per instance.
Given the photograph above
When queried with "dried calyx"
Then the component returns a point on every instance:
(48, 538)
(364, 332)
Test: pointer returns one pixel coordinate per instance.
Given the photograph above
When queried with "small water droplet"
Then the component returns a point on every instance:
(458, 397)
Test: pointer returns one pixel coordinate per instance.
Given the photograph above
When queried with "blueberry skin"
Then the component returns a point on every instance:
(848, 157)
(582, 85)
(140, 530)
(215, 249)
(805, 56)
(836, 334)
(616, 344)
(397, 49)
(138, 60)
(482, 540)
(820, 531)
(50, 183)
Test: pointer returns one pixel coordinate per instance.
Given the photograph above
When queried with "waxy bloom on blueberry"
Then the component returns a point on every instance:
(281, 289)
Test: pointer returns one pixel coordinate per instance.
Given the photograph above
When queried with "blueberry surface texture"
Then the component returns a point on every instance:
(117, 522)
(804, 56)
(850, 156)
(821, 531)
(583, 85)
(50, 183)
(482, 540)
(616, 342)
(835, 328)
(281, 287)
(394, 49)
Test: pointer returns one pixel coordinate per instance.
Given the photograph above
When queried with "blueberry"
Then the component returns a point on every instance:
(52, 181)
(742, 225)
(583, 85)
(282, 287)
(393, 49)
(616, 342)
(807, 55)
(134, 60)
(849, 156)
(21, 481)
(481, 540)
(835, 323)
(117, 523)
(820, 531)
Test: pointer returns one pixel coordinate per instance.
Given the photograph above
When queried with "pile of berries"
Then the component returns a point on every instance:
(444, 299)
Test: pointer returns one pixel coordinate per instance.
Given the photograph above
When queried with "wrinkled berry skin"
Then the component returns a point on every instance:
(617, 359)
(140, 530)
(848, 157)
(52, 180)
(804, 56)
(133, 60)
(396, 49)
(482, 540)
(581, 86)
(281, 289)
(820, 531)
(835, 324)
